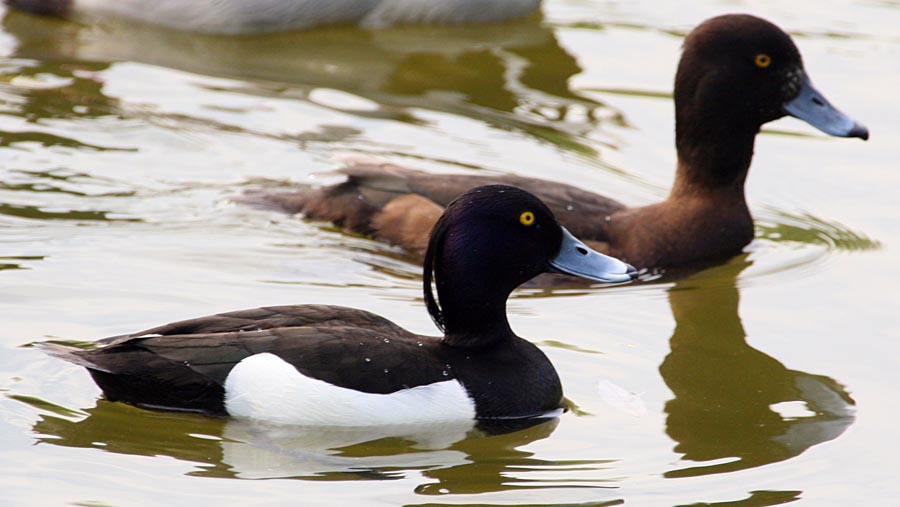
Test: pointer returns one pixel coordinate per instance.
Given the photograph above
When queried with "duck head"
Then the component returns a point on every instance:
(738, 72)
(489, 241)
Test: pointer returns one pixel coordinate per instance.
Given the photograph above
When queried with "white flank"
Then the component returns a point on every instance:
(265, 387)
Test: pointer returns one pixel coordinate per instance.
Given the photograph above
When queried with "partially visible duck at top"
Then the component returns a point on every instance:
(260, 16)
(337, 366)
(737, 72)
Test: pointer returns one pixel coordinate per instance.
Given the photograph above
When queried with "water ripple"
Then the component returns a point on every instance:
(808, 229)
(38, 213)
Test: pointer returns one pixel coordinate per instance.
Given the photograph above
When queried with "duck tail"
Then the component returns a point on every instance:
(55, 8)
(287, 201)
(70, 353)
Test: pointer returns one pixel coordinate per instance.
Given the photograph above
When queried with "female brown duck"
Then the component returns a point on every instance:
(737, 72)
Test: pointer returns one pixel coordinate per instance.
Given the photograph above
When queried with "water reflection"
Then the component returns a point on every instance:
(512, 75)
(35, 212)
(60, 182)
(454, 458)
(755, 499)
(6, 264)
(41, 90)
(734, 405)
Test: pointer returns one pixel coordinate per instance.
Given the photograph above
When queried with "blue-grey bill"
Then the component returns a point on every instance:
(812, 107)
(577, 259)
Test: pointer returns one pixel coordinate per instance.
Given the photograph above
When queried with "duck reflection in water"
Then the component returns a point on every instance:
(244, 449)
(727, 393)
(514, 75)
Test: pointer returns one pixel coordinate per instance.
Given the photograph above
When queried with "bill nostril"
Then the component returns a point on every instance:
(582, 250)
(817, 101)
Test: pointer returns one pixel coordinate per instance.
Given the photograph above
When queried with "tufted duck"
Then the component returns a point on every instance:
(737, 72)
(331, 365)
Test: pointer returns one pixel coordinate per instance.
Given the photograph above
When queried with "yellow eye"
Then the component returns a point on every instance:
(526, 218)
(762, 60)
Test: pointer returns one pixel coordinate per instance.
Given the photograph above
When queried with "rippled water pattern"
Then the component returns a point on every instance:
(767, 380)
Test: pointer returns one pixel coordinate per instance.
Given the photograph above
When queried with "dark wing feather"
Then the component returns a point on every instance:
(269, 317)
(583, 213)
(354, 204)
(184, 365)
(343, 355)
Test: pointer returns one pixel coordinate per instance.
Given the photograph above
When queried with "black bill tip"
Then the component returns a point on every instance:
(859, 130)
(631, 271)
(812, 107)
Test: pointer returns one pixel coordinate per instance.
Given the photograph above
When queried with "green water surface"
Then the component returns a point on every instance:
(770, 379)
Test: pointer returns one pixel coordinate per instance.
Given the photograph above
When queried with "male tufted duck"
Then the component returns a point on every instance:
(331, 365)
(737, 72)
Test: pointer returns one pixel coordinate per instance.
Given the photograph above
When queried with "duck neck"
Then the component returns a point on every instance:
(474, 314)
(713, 156)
